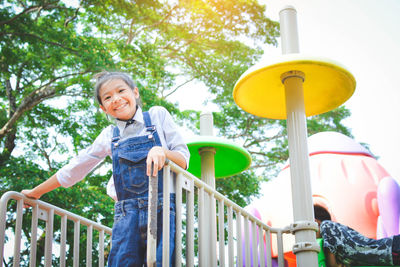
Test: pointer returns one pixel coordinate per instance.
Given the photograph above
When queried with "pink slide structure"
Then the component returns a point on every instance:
(347, 180)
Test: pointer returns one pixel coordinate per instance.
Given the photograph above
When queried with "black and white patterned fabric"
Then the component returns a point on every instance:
(351, 248)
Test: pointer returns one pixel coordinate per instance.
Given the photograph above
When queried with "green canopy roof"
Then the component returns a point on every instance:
(230, 159)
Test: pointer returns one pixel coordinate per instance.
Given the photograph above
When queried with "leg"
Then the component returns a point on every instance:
(126, 249)
(352, 248)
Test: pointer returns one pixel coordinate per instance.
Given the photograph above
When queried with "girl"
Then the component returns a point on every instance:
(138, 140)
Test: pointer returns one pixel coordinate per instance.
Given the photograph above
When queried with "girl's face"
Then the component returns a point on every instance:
(118, 99)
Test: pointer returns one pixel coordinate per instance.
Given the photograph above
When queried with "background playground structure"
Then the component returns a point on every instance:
(346, 180)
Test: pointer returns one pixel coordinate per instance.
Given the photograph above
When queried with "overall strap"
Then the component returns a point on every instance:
(151, 128)
(147, 121)
(116, 135)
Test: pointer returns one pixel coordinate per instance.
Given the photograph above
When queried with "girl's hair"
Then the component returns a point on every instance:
(106, 76)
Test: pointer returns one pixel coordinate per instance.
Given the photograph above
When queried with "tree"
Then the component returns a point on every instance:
(50, 50)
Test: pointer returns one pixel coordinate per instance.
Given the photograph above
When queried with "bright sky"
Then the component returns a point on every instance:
(363, 36)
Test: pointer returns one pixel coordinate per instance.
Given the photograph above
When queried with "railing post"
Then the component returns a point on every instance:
(166, 216)
(77, 230)
(190, 226)
(101, 248)
(152, 220)
(35, 218)
(18, 230)
(89, 240)
(49, 238)
(178, 220)
(63, 240)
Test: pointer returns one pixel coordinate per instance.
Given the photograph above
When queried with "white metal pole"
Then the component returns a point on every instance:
(207, 155)
(152, 219)
(297, 138)
(288, 30)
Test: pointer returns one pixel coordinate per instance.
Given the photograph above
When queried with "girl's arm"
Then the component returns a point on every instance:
(47, 186)
(157, 155)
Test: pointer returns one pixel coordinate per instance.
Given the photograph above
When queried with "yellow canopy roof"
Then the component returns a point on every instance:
(327, 85)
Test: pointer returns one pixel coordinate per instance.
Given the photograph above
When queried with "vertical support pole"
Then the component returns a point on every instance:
(101, 248)
(239, 251)
(89, 245)
(77, 233)
(246, 256)
(202, 233)
(190, 226)
(281, 258)
(3, 217)
(230, 237)
(221, 229)
(49, 238)
(178, 220)
(288, 30)
(34, 225)
(18, 232)
(297, 138)
(268, 247)
(207, 155)
(261, 247)
(213, 232)
(152, 219)
(63, 240)
(166, 216)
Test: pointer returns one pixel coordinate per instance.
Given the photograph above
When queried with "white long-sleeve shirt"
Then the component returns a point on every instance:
(90, 157)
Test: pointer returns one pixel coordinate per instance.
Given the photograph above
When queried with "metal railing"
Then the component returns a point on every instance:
(225, 242)
(47, 212)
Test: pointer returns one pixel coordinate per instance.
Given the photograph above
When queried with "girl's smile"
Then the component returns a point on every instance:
(118, 99)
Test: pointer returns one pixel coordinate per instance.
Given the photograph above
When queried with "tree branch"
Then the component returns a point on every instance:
(68, 20)
(30, 101)
(11, 98)
(29, 10)
(132, 33)
(176, 88)
(41, 39)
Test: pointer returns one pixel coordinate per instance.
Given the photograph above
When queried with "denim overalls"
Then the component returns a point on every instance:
(129, 233)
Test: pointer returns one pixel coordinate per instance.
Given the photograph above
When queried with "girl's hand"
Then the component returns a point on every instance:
(157, 156)
(47, 186)
(30, 193)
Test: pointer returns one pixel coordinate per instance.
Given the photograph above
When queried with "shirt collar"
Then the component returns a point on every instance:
(138, 117)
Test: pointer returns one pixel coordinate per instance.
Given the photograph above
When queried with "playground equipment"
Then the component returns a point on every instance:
(211, 157)
(346, 180)
(223, 152)
(293, 87)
